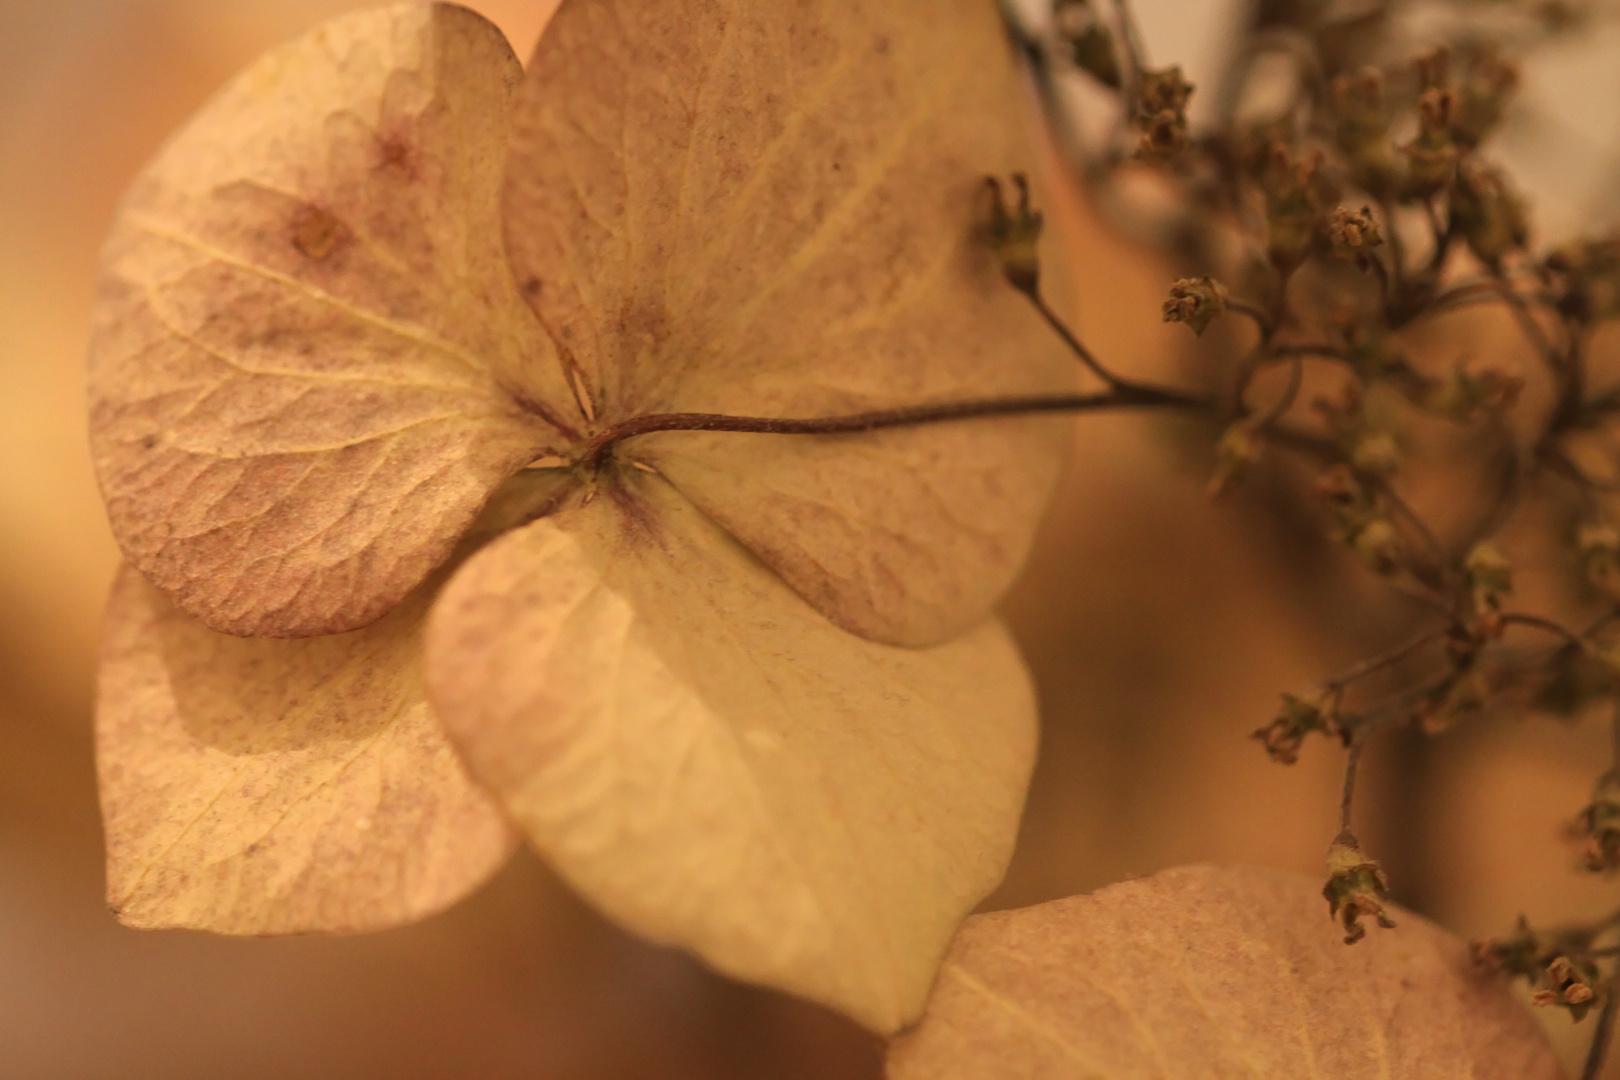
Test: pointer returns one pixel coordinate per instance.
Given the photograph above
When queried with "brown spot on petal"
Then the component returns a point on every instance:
(316, 234)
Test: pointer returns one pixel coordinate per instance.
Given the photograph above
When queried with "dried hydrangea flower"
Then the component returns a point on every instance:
(370, 330)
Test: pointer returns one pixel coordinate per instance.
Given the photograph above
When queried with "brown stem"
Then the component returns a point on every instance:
(1532, 329)
(1261, 319)
(1122, 396)
(1076, 346)
(1516, 618)
(1603, 1036)
(1384, 660)
(1351, 763)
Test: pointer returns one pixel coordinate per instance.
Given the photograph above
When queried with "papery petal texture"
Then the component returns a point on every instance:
(768, 209)
(717, 765)
(275, 786)
(1206, 972)
(310, 365)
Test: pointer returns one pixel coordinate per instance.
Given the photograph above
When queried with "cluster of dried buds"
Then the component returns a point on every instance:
(1556, 965)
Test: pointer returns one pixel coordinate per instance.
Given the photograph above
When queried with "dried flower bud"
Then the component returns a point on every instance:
(1597, 827)
(1091, 42)
(1434, 68)
(1339, 486)
(1591, 272)
(1431, 158)
(1362, 130)
(1164, 135)
(1517, 955)
(1299, 717)
(1490, 578)
(1377, 452)
(1491, 217)
(1487, 83)
(1598, 543)
(1353, 233)
(1468, 392)
(1378, 545)
(1297, 189)
(1015, 235)
(1238, 450)
(1161, 114)
(1196, 302)
(1356, 888)
(1564, 984)
(1461, 696)
(1164, 90)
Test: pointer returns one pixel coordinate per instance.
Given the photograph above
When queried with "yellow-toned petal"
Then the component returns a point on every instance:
(1204, 972)
(310, 364)
(274, 786)
(774, 209)
(718, 766)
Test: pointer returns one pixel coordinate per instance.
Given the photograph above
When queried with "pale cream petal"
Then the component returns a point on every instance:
(310, 364)
(716, 765)
(272, 786)
(772, 209)
(1209, 972)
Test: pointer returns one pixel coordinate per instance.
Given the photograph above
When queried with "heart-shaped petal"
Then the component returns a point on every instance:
(768, 209)
(717, 765)
(310, 362)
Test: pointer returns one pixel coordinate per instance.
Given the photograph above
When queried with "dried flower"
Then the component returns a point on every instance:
(1561, 983)
(1597, 827)
(1353, 233)
(1356, 888)
(1091, 42)
(1196, 302)
(1489, 215)
(1237, 451)
(1015, 235)
(1299, 717)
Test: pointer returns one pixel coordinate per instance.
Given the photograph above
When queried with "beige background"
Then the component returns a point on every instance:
(1161, 627)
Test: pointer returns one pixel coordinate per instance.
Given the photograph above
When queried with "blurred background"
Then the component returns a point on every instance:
(1161, 627)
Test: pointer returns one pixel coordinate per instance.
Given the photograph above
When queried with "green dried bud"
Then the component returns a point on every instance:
(1488, 82)
(1161, 114)
(1091, 43)
(1468, 392)
(1164, 90)
(1597, 827)
(1431, 158)
(1376, 452)
(1299, 717)
(1236, 452)
(1488, 571)
(1377, 544)
(1164, 135)
(1434, 68)
(1463, 695)
(1492, 218)
(1599, 545)
(1297, 190)
(1339, 486)
(1356, 888)
(1517, 955)
(1591, 272)
(1196, 302)
(1015, 235)
(1362, 131)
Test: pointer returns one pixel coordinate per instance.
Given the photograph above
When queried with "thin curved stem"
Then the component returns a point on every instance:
(1076, 346)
